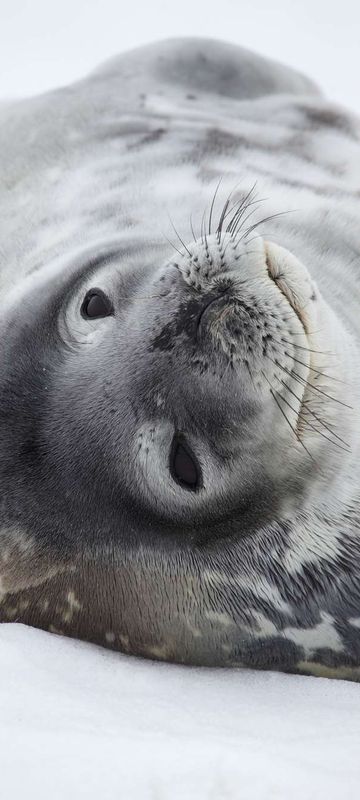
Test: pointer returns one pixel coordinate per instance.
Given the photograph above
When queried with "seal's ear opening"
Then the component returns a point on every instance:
(184, 467)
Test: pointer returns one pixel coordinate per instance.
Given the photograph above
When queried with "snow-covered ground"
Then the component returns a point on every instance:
(78, 721)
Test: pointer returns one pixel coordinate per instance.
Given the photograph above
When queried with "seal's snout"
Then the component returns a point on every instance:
(239, 319)
(214, 258)
(215, 264)
(234, 281)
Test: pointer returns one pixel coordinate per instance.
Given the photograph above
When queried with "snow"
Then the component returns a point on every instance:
(79, 721)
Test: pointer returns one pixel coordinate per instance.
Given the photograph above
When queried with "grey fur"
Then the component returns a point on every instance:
(261, 566)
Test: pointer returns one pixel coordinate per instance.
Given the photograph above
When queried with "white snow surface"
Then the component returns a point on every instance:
(78, 721)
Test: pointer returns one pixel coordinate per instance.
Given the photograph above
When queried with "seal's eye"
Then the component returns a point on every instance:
(96, 304)
(183, 466)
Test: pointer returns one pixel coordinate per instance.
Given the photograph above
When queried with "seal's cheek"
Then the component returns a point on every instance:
(294, 281)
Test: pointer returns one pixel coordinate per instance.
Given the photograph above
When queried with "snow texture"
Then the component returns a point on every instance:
(78, 721)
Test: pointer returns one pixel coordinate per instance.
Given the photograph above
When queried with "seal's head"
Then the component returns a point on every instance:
(161, 423)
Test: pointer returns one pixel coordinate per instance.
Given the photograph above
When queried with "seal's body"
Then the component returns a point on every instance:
(179, 396)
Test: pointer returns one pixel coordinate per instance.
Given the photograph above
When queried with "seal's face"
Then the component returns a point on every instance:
(161, 422)
(192, 382)
(178, 383)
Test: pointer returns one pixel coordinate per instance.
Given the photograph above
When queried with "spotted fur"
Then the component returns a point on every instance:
(214, 196)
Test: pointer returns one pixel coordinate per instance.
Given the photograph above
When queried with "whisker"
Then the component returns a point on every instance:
(263, 235)
(322, 374)
(267, 219)
(310, 411)
(173, 246)
(307, 349)
(273, 394)
(311, 387)
(242, 207)
(221, 220)
(212, 204)
(225, 211)
(192, 229)
(308, 385)
(239, 230)
(313, 428)
(202, 227)
(179, 237)
(310, 333)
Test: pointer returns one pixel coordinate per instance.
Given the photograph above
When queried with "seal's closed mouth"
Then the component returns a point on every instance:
(291, 279)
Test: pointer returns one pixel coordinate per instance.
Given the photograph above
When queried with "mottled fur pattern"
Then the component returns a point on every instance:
(235, 325)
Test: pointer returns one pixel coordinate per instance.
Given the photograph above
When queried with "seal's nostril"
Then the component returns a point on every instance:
(183, 465)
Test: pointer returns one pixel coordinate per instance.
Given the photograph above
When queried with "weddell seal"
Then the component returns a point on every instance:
(179, 385)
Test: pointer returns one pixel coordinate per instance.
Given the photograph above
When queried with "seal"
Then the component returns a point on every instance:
(179, 389)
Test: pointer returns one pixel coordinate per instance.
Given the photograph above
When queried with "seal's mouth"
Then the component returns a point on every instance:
(292, 280)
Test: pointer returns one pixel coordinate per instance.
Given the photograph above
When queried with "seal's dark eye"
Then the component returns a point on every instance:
(96, 304)
(183, 466)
